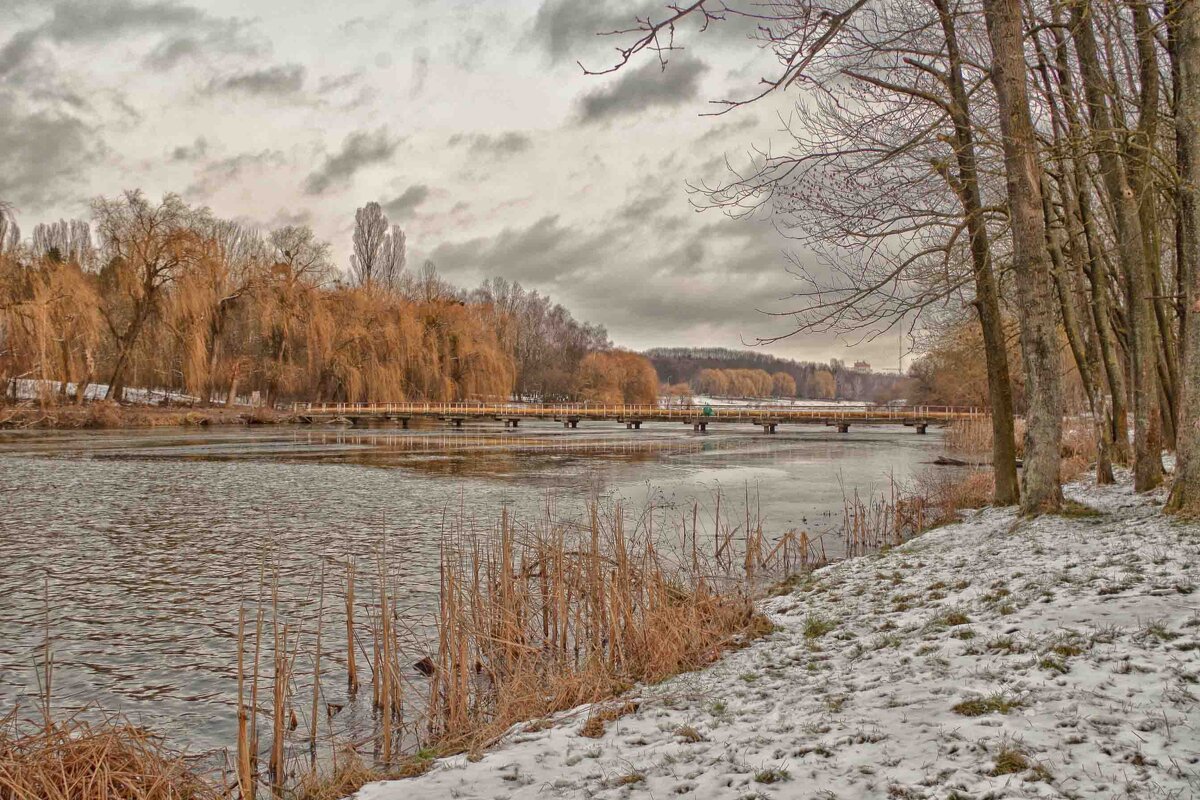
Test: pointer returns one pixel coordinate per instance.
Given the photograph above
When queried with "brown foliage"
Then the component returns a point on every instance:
(176, 299)
(616, 377)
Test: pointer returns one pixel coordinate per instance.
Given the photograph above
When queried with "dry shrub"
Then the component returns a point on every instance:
(973, 436)
(101, 415)
(108, 760)
(946, 493)
(556, 615)
(1079, 447)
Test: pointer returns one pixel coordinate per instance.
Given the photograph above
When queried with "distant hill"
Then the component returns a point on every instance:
(684, 364)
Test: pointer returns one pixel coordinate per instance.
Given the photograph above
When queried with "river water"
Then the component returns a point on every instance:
(130, 552)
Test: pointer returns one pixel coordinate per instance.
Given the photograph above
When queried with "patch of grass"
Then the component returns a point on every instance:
(835, 704)
(1066, 649)
(992, 704)
(1005, 644)
(1158, 630)
(1074, 510)
(772, 775)
(815, 626)
(597, 721)
(996, 595)
(1054, 665)
(1010, 761)
(954, 618)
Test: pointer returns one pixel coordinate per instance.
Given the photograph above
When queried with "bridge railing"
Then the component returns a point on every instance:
(635, 411)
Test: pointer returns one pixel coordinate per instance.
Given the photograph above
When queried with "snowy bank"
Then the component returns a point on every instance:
(993, 658)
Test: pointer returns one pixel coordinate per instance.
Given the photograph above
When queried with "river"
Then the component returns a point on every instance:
(131, 551)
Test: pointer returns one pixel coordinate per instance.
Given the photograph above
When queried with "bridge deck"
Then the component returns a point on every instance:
(574, 413)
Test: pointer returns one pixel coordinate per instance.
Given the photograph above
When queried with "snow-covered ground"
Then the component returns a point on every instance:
(993, 658)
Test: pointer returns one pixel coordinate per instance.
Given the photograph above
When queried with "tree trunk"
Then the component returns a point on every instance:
(1147, 443)
(1185, 21)
(987, 304)
(1041, 490)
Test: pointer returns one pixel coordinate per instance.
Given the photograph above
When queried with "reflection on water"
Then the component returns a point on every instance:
(137, 548)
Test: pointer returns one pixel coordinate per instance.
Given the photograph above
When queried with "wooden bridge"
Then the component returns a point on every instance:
(769, 418)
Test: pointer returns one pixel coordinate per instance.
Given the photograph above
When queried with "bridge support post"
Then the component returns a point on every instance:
(843, 427)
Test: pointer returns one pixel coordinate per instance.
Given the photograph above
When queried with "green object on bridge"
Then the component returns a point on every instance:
(708, 412)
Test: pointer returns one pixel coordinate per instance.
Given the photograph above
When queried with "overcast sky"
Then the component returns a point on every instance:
(468, 120)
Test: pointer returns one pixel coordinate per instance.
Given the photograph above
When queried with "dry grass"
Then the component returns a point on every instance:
(350, 774)
(598, 720)
(550, 616)
(973, 437)
(109, 415)
(108, 760)
(947, 492)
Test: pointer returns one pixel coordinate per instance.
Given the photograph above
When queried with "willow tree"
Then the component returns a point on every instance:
(230, 260)
(144, 248)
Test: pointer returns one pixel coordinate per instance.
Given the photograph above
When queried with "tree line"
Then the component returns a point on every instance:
(168, 296)
(1027, 165)
(748, 373)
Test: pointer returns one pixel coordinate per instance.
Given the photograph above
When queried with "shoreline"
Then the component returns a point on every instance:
(108, 415)
(990, 657)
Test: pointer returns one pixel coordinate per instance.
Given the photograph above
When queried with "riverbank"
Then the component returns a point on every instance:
(995, 657)
(108, 415)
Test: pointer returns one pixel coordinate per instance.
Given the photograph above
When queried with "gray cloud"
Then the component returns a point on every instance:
(41, 153)
(86, 21)
(360, 149)
(570, 30)
(191, 152)
(499, 146)
(643, 88)
(407, 202)
(543, 253)
(217, 174)
(278, 80)
(563, 27)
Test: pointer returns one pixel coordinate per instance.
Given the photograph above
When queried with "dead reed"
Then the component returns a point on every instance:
(106, 760)
(546, 616)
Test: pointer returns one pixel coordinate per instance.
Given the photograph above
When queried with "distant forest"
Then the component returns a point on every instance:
(707, 370)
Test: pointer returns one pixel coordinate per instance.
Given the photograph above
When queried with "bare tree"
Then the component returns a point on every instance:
(1185, 494)
(1041, 489)
(370, 236)
(379, 254)
(65, 240)
(10, 232)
